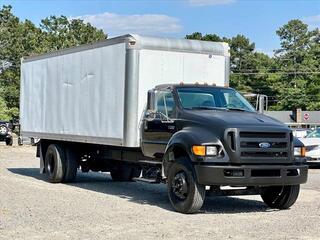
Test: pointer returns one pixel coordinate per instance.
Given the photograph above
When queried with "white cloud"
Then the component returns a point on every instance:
(312, 21)
(209, 2)
(150, 24)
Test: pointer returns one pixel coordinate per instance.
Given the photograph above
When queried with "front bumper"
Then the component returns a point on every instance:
(5, 137)
(253, 175)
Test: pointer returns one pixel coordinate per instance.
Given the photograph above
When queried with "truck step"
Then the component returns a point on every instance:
(146, 180)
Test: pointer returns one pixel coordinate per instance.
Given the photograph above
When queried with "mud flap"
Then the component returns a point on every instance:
(41, 160)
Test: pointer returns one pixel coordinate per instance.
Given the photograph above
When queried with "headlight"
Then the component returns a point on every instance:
(212, 150)
(299, 151)
(205, 150)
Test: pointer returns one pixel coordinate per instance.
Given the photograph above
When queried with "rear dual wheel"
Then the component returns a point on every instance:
(60, 164)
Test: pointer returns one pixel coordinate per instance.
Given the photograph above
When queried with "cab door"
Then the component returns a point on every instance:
(159, 125)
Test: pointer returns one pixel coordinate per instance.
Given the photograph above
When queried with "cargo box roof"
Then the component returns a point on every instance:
(135, 41)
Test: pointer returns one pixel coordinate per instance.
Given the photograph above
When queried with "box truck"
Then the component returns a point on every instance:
(157, 110)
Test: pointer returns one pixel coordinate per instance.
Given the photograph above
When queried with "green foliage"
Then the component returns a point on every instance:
(60, 32)
(297, 61)
(22, 38)
(3, 108)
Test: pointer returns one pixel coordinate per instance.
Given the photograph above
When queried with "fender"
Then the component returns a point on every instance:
(184, 140)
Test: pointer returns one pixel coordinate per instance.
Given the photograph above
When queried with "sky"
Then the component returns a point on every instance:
(257, 19)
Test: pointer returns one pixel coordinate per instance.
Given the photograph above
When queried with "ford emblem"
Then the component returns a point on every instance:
(264, 145)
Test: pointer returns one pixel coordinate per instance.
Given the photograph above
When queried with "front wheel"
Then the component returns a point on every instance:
(185, 194)
(281, 197)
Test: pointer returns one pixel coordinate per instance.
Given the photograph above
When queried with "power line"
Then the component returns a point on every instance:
(277, 73)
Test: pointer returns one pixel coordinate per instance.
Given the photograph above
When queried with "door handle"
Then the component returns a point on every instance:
(171, 127)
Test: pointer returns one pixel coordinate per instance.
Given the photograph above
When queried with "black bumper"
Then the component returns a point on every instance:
(5, 137)
(251, 175)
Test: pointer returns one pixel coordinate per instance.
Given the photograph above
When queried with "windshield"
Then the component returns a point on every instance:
(213, 98)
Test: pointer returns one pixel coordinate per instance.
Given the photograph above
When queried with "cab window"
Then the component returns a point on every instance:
(165, 103)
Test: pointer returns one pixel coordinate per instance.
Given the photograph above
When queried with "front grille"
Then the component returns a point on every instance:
(262, 135)
(257, 146)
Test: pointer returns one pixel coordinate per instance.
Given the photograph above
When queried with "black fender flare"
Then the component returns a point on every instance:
(184, 140)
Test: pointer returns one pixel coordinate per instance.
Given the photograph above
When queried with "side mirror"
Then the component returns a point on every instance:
(151, 100)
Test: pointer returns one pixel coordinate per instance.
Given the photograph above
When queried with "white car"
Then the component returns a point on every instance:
(312, 144)
(300, 132)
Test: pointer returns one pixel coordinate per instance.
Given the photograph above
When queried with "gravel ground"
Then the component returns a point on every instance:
(97, 208)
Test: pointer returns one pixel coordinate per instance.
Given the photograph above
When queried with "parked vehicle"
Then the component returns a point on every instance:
(119, 106)
(312, 146)
(300, 132)
(6, 132)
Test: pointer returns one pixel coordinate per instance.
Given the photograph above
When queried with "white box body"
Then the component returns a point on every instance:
(97, 93)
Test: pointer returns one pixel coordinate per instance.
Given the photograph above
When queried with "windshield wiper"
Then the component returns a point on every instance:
(237, 109)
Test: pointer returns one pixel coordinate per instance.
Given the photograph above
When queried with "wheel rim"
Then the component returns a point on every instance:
(3, 130)
(180, 186)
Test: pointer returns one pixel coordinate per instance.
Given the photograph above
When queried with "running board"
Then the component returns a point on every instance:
(150, 162)
(146, 180)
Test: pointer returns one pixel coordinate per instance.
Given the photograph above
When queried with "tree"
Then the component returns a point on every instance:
(3, 108)
(297, 61)
(22, 38)
(61, 32)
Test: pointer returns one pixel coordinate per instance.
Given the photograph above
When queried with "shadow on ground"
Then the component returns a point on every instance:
(152, 194)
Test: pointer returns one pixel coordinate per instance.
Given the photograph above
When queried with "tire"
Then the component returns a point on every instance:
(9, 141)
(3, 130)
(124, 173)
(71, 165)
(60, 164)
(185, 194)
(280, 197)
(54, 160)
(20, 141)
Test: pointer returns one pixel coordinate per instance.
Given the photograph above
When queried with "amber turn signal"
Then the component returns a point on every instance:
(303, 152)
(199, 150)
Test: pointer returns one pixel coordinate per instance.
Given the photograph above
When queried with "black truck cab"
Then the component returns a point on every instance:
(208, 135)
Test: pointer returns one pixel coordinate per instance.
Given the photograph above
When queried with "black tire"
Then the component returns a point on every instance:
(54, 160)
(9, 141)
(280, 197)
(185, 194)
(124, 173)
(20, 141)
(71, 165)
(60, 164)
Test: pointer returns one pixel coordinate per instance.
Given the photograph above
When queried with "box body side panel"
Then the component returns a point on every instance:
(78, 94)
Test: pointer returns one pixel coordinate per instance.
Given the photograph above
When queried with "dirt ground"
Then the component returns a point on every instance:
(96, 208)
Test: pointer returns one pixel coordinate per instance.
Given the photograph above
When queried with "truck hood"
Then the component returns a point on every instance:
(233, 119)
